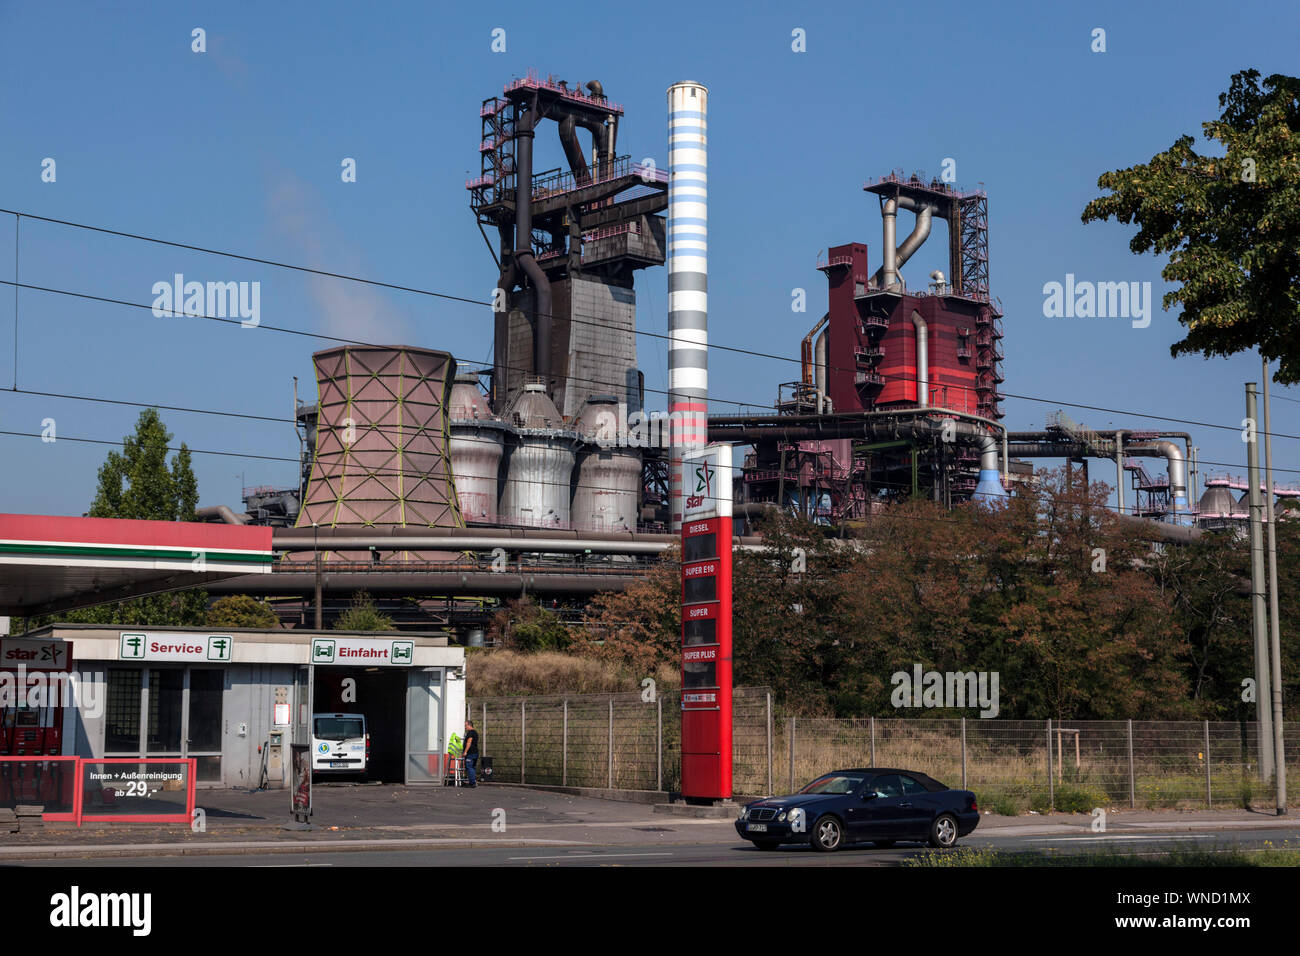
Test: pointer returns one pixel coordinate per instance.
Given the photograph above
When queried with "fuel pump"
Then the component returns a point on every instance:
(31, 725)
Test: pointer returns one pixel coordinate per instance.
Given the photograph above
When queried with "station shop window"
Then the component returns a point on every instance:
(122, 712)
(166, 694)
(182, 712)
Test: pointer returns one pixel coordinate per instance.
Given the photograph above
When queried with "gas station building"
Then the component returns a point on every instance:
(233, 699)
(223, 696)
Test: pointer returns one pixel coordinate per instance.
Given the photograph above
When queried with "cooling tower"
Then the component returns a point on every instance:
(381, 441)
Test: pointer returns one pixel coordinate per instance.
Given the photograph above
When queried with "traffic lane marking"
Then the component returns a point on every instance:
(1123, 836)
(583, 856)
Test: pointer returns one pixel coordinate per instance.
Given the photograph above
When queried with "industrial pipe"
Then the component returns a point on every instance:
(1177, 473)
(501, 334)
(887, 275)
(524, 248)
(920, 232)
(573, 150)
(989, 485)
(820, 367)
(893, 258)
(222, 512)
(442, 542)
(922, 360)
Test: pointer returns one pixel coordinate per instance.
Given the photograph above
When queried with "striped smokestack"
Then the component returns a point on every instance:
(688, 278)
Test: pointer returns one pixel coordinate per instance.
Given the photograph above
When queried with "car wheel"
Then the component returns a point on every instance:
(943, 832)
(767, 844)
(827, 834)
(884, 844)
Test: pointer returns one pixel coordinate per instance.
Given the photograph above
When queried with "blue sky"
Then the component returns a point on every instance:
(239, 149)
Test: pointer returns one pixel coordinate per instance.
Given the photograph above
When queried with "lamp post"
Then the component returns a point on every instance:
(1279, 749)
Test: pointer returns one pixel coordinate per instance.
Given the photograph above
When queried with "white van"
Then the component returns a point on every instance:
(339, 743)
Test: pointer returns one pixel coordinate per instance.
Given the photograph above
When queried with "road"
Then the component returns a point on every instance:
(711, 851)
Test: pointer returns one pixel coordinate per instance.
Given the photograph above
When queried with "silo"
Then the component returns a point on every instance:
(536, 492)
(1217, 502)
(607, 495)
(477, 444)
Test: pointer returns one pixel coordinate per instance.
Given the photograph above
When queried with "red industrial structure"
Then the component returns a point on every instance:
(876, 326)
(881, 348)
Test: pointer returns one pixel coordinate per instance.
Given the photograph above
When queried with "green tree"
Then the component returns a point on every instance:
(525, 626)
(242, 610)
(1230, 224)
(640, 627)
(362, 615)
(138, 483)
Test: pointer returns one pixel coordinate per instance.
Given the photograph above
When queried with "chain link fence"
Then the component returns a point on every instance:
(628, 742)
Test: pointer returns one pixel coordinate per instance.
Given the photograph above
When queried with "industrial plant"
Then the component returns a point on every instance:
(444, 490)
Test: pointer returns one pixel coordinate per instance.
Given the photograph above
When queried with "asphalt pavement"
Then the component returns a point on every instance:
(496, 825)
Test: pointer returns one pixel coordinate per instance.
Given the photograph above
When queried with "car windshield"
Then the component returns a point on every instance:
(338, 728)
(835, 783)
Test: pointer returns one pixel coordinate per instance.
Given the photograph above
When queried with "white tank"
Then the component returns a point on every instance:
(607, 494)
(540, 464)
(477, 445)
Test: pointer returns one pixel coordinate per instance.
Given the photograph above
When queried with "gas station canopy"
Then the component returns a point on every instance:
(50, 563)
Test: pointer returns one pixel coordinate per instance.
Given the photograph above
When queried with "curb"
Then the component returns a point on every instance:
(599, 793)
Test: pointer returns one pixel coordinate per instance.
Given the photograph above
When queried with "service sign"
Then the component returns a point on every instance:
(194, 648)
(370, 651)
(706, 482)
(34, 655)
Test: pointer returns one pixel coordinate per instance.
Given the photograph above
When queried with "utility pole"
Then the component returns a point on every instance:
(1279, 749)
(315, 545)
(1258, 615)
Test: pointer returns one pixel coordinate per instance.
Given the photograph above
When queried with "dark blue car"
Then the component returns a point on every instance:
(875, 804)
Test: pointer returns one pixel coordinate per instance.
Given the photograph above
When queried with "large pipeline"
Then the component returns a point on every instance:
(222, 512)
(524, 136)
(893, 258)
(501, 334)
(820, 350)
(922, 360)
(479, 539)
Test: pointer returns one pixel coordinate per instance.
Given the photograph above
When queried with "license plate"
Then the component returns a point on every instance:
(338, 763)
(757, 828)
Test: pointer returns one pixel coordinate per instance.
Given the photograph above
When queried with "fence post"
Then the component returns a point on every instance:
(873, 741)
(1209, 795)
(792, 725)
(564, 747)
(523, 739)
(769, 742)
(1051, 771)
(1132, 780)
(659, 743)
(610, 784)
(963, 754)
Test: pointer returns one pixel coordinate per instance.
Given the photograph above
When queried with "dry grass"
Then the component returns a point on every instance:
(505, 673)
